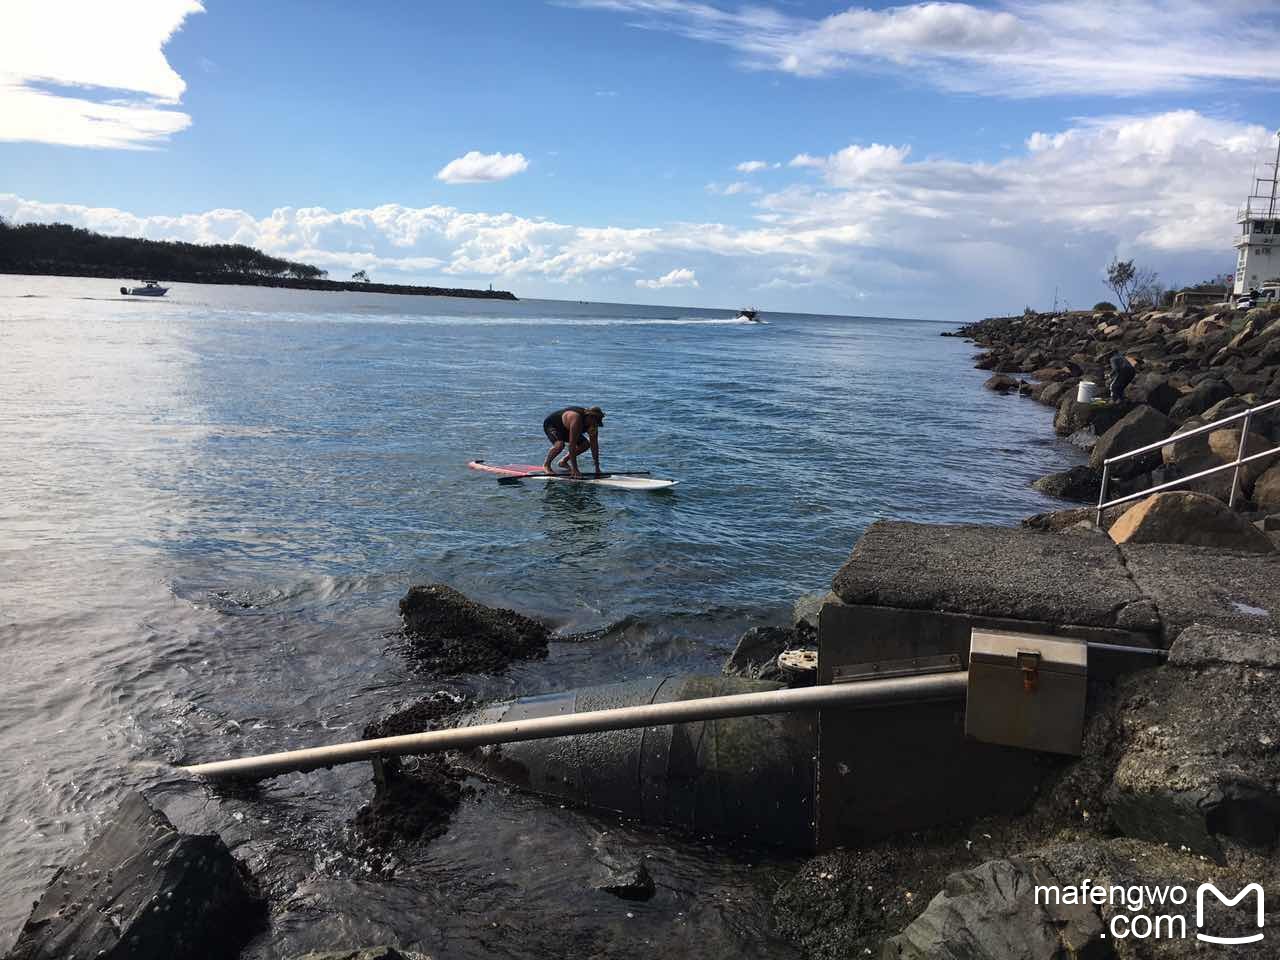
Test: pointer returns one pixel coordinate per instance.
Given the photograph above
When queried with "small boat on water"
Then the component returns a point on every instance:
(149, 289)
(749, 314)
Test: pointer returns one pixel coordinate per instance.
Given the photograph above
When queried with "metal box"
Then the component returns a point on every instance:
(1027, 690)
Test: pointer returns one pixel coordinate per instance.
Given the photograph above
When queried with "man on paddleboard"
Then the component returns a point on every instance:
(577, 429)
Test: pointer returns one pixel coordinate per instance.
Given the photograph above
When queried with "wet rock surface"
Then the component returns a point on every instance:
(142, 890)
(1080, 483)
(364, 953)
(756, 655)
(451, 634)
(415, 798)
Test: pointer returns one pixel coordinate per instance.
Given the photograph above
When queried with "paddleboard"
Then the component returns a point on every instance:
(534, 472)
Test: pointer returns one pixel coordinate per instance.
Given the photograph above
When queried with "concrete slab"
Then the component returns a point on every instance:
(1219, 588)
(998, 572)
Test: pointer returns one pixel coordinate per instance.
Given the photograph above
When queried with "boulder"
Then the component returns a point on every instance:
(625, 876)
(1200, 398)
(1194, 518)
(144, 891)
(1080, 483)
(1224, 446)
(1085, 439)
(1072, 416)
(1077, 518)
(1194, 779)
(1053, 393)
(1266, 491)
(756, 655)
(451, 633)
(364, 953)
(1139, 427)
(1001, 383)
(991, 913)
(805, 613)
(1153, 390)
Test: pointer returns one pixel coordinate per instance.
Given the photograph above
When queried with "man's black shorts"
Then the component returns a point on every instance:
(555, 429)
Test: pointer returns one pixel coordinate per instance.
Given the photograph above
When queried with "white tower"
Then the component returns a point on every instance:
(1258, 242)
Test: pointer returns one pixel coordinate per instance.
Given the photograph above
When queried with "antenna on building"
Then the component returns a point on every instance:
(1258, 243)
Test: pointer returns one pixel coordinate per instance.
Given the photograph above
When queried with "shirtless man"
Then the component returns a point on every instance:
(576, 429)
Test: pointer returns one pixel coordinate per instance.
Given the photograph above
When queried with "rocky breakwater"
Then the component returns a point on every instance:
(1194, 366)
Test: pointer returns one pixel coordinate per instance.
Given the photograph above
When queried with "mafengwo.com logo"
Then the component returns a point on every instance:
(1150, 912)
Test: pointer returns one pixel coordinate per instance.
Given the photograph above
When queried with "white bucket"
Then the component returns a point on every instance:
(1086, 392)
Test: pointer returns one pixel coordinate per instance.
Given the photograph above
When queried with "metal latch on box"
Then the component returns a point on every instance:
(1029, 663)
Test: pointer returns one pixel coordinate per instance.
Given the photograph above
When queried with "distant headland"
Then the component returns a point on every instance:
(61, 250)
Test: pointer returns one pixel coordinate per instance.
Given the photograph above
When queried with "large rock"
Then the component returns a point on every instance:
(144, 891)
(991, 913)
(1200, 398)
(1053, 393)
(1073, 416)
(1197, 778)
(1001, 383)
(756, 655)
(1266, 492)
(1192, 518)
(453, 634)
(365, 953)
(1153, 390)
(1080, 483)
(1224, 446)
(1139, 427)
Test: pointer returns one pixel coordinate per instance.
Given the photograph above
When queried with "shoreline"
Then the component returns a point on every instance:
(114, 273)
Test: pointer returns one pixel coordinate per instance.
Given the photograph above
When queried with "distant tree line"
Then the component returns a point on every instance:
(59, 248)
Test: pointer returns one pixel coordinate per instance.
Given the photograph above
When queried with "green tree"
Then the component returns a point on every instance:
(361, 276)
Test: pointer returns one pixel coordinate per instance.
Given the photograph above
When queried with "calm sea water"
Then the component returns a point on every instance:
(210, 504)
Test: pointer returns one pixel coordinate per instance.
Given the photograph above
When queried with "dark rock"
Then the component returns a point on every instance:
(756, 655)
(1073, 416)
(1199, 399)
(1266, 491)
(1197, 780)
(1085, 438)
(1053, 393)
(1080, 483)
(1188, 518)
(144, 891)
(1152, 390)
(450, 633)
(1139, 427)
(625, 877)
(1001, 383)
(804, 616)
(991, 912)
(1025, 389)
(365, 953)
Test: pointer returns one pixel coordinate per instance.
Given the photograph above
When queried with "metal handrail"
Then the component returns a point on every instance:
(1240, 460)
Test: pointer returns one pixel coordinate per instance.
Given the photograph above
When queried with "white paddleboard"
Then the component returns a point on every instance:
(531, 472)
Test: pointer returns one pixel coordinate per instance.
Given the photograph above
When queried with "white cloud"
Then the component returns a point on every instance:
(732, 189)
(50, 48)
(754, 166)
(680, 277)
(1014, 49)
(867, 224)
(477, 167)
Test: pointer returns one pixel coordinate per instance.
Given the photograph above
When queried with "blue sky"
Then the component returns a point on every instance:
(947, 160)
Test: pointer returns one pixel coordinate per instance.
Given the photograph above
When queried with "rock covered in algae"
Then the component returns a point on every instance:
(450, 633)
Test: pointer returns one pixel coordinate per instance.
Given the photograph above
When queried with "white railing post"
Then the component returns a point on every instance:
(1235, 476)
(1102, 494)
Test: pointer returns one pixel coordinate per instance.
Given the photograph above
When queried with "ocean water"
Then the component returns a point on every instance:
(211, 503)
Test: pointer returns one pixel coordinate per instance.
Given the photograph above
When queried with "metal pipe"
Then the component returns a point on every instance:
(945, 686)
(1102, 491)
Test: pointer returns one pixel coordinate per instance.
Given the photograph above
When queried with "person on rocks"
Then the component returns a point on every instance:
(573, 429)
(1122, 371)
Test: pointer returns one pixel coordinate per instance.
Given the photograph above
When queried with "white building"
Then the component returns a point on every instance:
(1258, 243)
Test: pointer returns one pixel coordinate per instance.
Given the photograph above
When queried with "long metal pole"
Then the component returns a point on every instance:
(866, 693)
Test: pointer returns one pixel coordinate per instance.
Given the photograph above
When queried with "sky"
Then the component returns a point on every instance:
(939, 160)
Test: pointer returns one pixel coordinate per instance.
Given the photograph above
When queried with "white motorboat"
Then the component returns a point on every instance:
(149, 289)
(749, 315)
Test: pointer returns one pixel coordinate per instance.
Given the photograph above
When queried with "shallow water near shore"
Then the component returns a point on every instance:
(210, 505)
